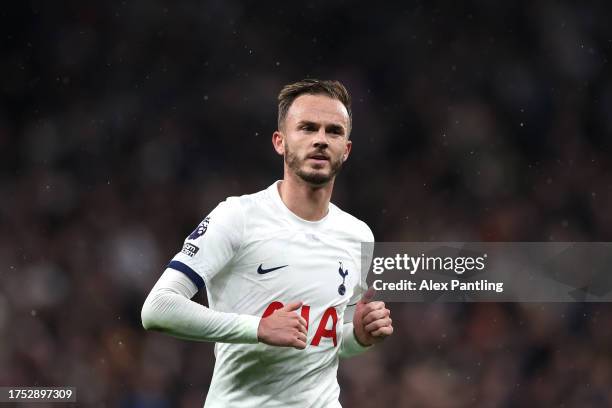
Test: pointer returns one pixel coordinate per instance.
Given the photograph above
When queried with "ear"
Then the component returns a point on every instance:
(347, 150)
(278, 142)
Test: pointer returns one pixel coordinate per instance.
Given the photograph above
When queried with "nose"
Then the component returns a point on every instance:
(320, 139)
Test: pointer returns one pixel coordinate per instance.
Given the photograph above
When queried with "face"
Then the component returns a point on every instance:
(314, 139)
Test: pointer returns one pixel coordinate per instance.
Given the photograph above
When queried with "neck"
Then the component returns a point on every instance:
(308, 202)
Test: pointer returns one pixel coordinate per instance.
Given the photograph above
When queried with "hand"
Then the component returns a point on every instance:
(371, 320)
(284, 328)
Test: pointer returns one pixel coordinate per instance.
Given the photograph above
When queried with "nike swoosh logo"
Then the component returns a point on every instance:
(262, 271)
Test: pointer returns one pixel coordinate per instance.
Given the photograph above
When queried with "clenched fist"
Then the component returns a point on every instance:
(284, 328)
(372, 320)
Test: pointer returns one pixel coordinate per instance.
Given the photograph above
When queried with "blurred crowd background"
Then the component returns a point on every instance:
(123, 123)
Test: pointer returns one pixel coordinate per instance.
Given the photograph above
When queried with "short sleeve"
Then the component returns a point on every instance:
(212, 244)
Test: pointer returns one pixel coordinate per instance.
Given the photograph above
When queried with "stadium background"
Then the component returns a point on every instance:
(122, 124)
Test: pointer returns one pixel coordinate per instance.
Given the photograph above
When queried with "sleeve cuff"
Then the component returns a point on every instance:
(249, 326)
(350, 345)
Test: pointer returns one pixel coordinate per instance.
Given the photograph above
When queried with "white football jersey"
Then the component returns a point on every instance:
(254, 255)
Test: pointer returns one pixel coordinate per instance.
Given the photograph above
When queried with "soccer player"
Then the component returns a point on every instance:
(282, 271)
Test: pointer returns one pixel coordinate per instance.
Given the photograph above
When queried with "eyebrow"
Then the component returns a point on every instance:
(330, 128)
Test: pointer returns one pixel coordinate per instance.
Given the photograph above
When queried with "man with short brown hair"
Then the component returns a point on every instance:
(282, 270)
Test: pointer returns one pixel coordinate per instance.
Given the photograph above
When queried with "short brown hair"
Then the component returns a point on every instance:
(311, 86)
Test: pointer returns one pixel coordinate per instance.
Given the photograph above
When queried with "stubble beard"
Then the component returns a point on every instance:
(313, 177)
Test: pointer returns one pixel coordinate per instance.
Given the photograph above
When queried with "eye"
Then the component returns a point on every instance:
(336, 131)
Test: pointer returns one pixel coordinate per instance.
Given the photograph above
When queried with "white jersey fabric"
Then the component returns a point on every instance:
(254, 255)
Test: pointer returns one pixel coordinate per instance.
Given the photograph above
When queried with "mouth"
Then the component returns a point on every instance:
(319, 157)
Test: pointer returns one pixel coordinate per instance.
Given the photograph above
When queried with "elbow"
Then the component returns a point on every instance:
(158, 311)
(146, 322)
(145, 319)
(147, 316)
